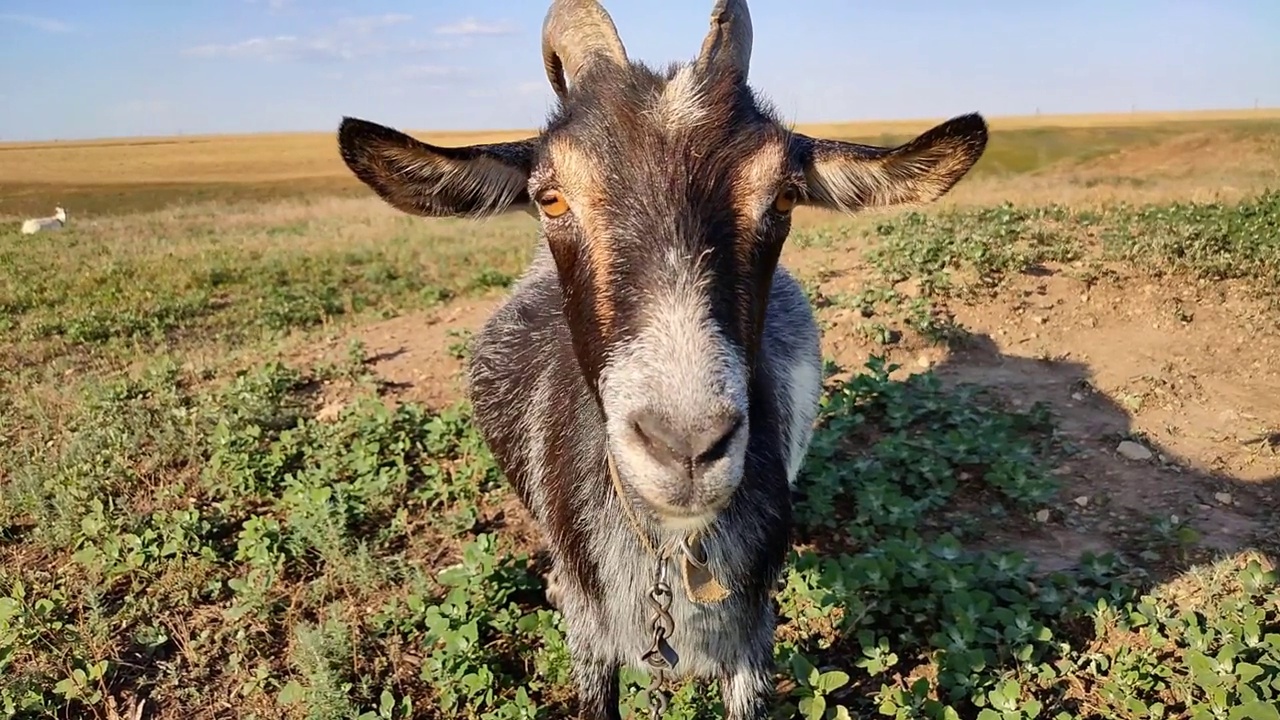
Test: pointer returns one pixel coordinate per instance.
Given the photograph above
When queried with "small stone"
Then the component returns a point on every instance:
(1077, 396)
(1223, 497)
(1042, 516)
(1042, 319)
(330, 411)
(1082, 501)
(924, 361)
(1133, 451)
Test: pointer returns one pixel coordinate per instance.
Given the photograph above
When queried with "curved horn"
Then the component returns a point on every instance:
(730, 36)
(575, 33)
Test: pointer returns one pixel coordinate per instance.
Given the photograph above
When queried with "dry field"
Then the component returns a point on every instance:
(237, 479)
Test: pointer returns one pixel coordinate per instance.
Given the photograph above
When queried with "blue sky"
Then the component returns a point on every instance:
(86, 68)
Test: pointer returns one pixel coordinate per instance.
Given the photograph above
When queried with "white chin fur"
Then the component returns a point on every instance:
(687, 524)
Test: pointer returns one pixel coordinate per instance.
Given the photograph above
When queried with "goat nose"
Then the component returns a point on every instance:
(686, 445)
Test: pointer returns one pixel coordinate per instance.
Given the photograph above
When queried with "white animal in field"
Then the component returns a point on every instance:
(35, 225)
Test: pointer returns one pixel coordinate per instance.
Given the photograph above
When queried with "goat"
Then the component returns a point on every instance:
(649, 387)
(35, 225)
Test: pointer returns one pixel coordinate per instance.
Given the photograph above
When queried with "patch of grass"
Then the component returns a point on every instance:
(224, 542)
(160, 281)
(970, 249)
(1024, 150)
(201, 534)
(926, 259)
(1212, 241)
(107, 199)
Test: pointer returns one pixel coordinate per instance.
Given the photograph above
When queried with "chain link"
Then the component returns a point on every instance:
(661, 658)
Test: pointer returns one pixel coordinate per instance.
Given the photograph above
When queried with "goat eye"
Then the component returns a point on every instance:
(553, 203)
(786, 200)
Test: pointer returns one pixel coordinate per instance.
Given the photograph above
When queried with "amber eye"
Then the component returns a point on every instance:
(786, 200)
(553, 203)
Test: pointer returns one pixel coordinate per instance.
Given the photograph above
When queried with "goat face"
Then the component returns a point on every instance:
(665, 200)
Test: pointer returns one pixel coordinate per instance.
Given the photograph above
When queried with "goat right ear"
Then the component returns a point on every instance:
(431, 181)
(848, 177)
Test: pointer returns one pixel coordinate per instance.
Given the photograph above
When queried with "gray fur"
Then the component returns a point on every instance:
(732, 641)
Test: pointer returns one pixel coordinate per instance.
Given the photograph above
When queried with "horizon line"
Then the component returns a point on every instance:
(1224, 113)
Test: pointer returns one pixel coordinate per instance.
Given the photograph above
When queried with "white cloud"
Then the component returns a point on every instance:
(368, 24)
(430, 46)
(415, 79)
(532, 87)
(430, 72)
(275, 5)
(282, 48)
(349, 38)
(471, 26)
(39, 23)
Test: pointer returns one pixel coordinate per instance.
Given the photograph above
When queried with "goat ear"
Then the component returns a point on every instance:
(430, 181)
(847, 176)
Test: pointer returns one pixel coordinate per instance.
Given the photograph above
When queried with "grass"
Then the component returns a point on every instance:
(968, 253)
(180, 524)
(194, 277)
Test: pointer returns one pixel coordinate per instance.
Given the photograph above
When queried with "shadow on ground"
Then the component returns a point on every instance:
(932, 566)
(1109, 499)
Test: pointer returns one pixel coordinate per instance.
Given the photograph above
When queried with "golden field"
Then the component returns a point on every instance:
(111, 176)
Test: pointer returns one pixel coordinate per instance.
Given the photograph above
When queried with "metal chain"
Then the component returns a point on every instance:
(661, 658)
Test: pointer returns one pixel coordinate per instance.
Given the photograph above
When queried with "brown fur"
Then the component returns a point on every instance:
(579, 176)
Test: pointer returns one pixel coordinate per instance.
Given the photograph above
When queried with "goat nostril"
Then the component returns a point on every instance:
(686, 450)
(658, 438)
(714, 443)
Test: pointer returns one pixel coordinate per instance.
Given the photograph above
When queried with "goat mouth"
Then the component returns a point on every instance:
(686, 514)
(689, 506)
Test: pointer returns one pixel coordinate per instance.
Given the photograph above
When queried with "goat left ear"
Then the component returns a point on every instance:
(847, 176)
(431, 181)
